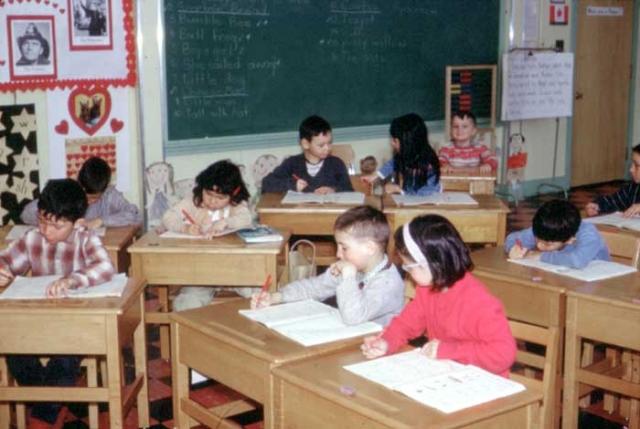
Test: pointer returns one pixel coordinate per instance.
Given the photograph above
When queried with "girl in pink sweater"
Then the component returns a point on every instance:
(462, 320)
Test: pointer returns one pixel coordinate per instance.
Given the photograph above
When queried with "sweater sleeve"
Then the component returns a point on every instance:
(525, 236)
(239, 216)
(386, 170)
(319, 288)
(428, 188)
(29, 214)
(98, 268)
(626, 196)
(15, 258)
(173, 219)
(281, 179)
(587, 246)
(487, 156)
(408, 324)
(119, 211)
(342, 177)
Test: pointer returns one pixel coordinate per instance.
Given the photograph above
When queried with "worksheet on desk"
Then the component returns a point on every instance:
(595, 270)
(437, 198)
(616, 219)
(36, 287)
(349, 198)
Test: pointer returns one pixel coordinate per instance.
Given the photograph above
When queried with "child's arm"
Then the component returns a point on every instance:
(429, 188)
(588, 246)
(524, 238)
(343, 183)
(119, 211)
(14, 260)
(282, 179)
(239, 217)
(318, 288)
(409, 324)
(444, 155)
(97, 263)
(488, 157)
(29, 214)
(626, 196)
(173, 219)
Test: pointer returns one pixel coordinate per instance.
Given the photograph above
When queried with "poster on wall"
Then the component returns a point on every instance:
(94, 121)
(47, 44)
(19, 176)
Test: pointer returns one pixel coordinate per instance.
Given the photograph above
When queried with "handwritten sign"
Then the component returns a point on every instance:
(538, 85)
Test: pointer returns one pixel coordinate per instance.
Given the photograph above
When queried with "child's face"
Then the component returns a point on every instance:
(420, 273)
(635, 167)
(318, 148)
(550, 246)
(357, 251)
(54, 229)
(213, 200)
(462, 130)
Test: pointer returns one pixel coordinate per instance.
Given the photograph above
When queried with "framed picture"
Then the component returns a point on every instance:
(90, 25)
(32, 46)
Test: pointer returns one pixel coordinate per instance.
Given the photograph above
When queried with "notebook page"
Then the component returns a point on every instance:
(35, 288)
(325, 329)
(354, 198)
(293, 197)
(437, 198)
(596, 270)
(292, 312)
(616, 219)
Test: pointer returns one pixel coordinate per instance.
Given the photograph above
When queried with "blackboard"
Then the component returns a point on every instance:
(236, 67)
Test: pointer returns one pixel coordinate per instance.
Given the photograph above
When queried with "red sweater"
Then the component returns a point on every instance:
(467, 320)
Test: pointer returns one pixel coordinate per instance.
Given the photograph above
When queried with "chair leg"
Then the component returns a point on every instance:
(585, 360)
(21, 415)
(92, 381)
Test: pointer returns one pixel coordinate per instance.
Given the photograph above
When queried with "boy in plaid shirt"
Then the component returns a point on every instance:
(60, 245)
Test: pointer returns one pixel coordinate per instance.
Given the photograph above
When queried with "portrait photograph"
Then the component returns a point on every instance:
(90, 25)
(32, 46)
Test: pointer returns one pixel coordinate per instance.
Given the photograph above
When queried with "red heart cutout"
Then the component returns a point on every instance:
(89, 107)
(62, 11)
(62, 127)
(55, 5)
(2, 61)
(116, 125)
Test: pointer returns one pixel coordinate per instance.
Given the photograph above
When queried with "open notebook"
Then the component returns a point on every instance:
(595, 270)
(35, 288)
(442, 384)
(180, 235)
(616, 219)
(438, 198)
(352, 198)
(309, 322)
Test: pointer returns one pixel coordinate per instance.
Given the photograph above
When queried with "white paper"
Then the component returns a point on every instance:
(309, 322)
(442, 384)
(352, 198)
(181, 235)
(616, 219)
(438, 198)
(596, 270)
(35, 288)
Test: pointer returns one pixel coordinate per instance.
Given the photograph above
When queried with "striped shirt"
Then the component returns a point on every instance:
(470, 156)
(80, 257)
(627, 196)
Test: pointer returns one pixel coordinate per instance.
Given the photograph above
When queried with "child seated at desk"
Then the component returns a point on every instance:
(315, 169)
(365, 283)
(414, 168)
(559, 237)
(107, 205)
(60, 245)
(219, 203)
(627, 199)
(463, 152)
(462, 320)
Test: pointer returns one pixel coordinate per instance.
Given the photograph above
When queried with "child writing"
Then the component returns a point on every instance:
(60, 245)
(414, 168)
(218, 204)
(366, 285)
(558, 236)
(627, 199)
(463, 321)
(462, 152)
(107, 206)
(315, 169)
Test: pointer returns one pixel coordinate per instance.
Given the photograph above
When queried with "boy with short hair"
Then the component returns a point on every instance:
(558, 236)
(315, 169)
(57, 246)
(462, 152)
(367, 286)
(107, 205)
(627, 199)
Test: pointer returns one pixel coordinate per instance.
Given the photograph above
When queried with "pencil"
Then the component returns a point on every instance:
(267, 283)
(295, 177)
(188, 217)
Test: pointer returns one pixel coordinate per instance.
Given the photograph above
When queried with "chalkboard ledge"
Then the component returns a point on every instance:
(270, 140)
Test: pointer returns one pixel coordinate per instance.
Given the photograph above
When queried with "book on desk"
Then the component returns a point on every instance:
(595, 270)
(616, 219)
(437, 198)
(349, 198)
(36, 287)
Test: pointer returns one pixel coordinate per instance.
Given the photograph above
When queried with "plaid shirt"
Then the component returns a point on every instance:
(81, 257)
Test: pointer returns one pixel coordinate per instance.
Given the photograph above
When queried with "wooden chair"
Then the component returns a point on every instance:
(346, 154)
(624, 246)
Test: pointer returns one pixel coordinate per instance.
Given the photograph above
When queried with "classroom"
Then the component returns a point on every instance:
(161, 90)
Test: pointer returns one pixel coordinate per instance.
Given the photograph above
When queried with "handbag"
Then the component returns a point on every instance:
(300, 266)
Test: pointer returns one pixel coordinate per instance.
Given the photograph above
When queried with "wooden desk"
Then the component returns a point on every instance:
(484, 223)
(93, 327)
(469, 180)
(309, 397)
(4, 230)
(223, 261)
(303, 219)
(217, 341)
(608, 313)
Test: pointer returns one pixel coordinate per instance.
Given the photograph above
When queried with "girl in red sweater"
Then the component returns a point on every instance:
(462, 320)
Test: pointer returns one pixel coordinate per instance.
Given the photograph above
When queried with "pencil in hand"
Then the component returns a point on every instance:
(266, 284)
(188, 217)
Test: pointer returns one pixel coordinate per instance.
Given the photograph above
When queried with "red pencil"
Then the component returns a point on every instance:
(518, 243)
(188, 217)
(295, 177)
(267, 283)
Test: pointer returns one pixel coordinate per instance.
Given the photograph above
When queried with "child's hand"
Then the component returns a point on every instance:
(592, 209)
(6, 277)
(192, 229)
(485, 168)
(369, 179)
(343, 268)
(94, 223)
(60, 287)
(634, 210)
(517, 251)
(534, 255)
(392, 188)
(301, 184)
(374, 346)
(218, 226)
(323, 190)
(265, 299)
(430, 349)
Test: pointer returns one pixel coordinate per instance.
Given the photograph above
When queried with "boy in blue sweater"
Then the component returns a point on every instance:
(315, 169)
(559, 237)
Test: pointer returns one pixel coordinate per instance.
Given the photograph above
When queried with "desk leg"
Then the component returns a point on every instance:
(140, 356)
(571, 364)
(163, 299)
(114, 375)
(5, 416)
(502, 229)
(180, 380)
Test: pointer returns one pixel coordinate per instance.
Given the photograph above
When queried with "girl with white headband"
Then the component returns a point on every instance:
(462, 320)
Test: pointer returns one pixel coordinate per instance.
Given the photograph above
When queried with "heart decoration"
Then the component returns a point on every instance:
(2, 62)
(89, 108)
(116, 125)
(62, 127)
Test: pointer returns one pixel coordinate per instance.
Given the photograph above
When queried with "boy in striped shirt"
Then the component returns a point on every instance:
(462, 152)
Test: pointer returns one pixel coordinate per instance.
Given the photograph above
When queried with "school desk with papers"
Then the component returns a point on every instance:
(616, 219)
(595, 270)
(438, 198)
(442, 384)
(35, 288)
(349, 198)
(308, 322)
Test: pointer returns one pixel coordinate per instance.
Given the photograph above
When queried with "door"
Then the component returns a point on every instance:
(602, 82)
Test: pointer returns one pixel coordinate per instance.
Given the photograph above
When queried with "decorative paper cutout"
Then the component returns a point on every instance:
(62, 127)
(89, 108)
(79, 150)
(116, 125)
(24, 123)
